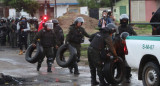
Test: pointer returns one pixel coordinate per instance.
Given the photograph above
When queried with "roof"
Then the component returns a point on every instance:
(64, 2)
(60, 2)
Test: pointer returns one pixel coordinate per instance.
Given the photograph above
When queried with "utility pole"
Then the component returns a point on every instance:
(111, 5)
(45, 8)
(55, 8)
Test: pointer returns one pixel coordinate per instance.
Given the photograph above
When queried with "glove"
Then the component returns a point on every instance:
(115, 59)
(34, 45)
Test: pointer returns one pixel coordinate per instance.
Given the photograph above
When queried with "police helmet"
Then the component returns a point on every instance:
(34, 18)
(23, 17)
(124, 16)
(3, 19)
(78, 19)
(55, 21)
(124, 35)
(110, 28)
(124, 19)
(49, 24)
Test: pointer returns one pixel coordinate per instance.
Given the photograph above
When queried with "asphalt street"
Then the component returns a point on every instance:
(15, 65)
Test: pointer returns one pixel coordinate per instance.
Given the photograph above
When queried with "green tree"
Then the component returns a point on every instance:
(83, 2)
(95, 3)
(105, 3)
(29, 6)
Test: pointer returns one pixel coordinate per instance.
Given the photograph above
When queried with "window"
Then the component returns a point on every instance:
(122, 10)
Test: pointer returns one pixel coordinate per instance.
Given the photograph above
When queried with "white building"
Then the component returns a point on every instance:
(63, 6)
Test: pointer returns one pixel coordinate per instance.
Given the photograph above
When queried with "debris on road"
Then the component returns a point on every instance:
(9, 80)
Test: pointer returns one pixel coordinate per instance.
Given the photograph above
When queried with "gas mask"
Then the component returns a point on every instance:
(124, 22)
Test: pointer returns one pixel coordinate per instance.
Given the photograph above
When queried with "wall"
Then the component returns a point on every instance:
(138, 11)
(116, 8)
(61, 9)
(84, 10)
(73, 8)
(151, 6)
(12, 13)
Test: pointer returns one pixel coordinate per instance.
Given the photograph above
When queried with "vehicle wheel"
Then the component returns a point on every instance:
(113, 71)
(151, 74)
(37, 56)
(60, 55)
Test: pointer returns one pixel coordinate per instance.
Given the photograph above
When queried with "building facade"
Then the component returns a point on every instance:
(141, 10)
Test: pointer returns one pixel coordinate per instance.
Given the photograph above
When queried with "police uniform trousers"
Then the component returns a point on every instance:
(13, 39)
(74, 64)
(48, 52)
(95, 63)
(22, 41)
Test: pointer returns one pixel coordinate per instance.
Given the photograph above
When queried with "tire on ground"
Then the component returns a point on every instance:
(113, 71)
(61, 51)
(37, 56)
(151, 74)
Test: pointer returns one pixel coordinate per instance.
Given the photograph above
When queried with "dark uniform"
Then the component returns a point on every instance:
(22, 28)
(32, 32)
(3, 32)
(13, 34)
(124, 27)
(48, 41)
(59, 35)
(8, 31)
(99, 42)
(75, 37)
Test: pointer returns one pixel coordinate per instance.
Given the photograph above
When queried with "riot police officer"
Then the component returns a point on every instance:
(3, 31)
(124, 26)
(48, 41)
(33, 30)
(59, 34)
(75, 37)
(22, 28)
(13, 33)
(119, 45)
(100, 41)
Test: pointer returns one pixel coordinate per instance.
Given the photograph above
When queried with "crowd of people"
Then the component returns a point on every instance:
(10, 33)
(24, 32)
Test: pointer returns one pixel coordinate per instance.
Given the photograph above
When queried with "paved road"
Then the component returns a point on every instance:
(15, 65)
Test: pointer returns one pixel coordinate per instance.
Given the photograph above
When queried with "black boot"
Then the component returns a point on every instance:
(76, 71)
(49, 69)
(70, 69)
(128, 74)
(49, 64)
(102, 81)
(38, 66)
(93, 77)
(94, 82)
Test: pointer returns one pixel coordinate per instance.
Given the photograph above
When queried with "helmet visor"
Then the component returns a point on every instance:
(49, 25)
